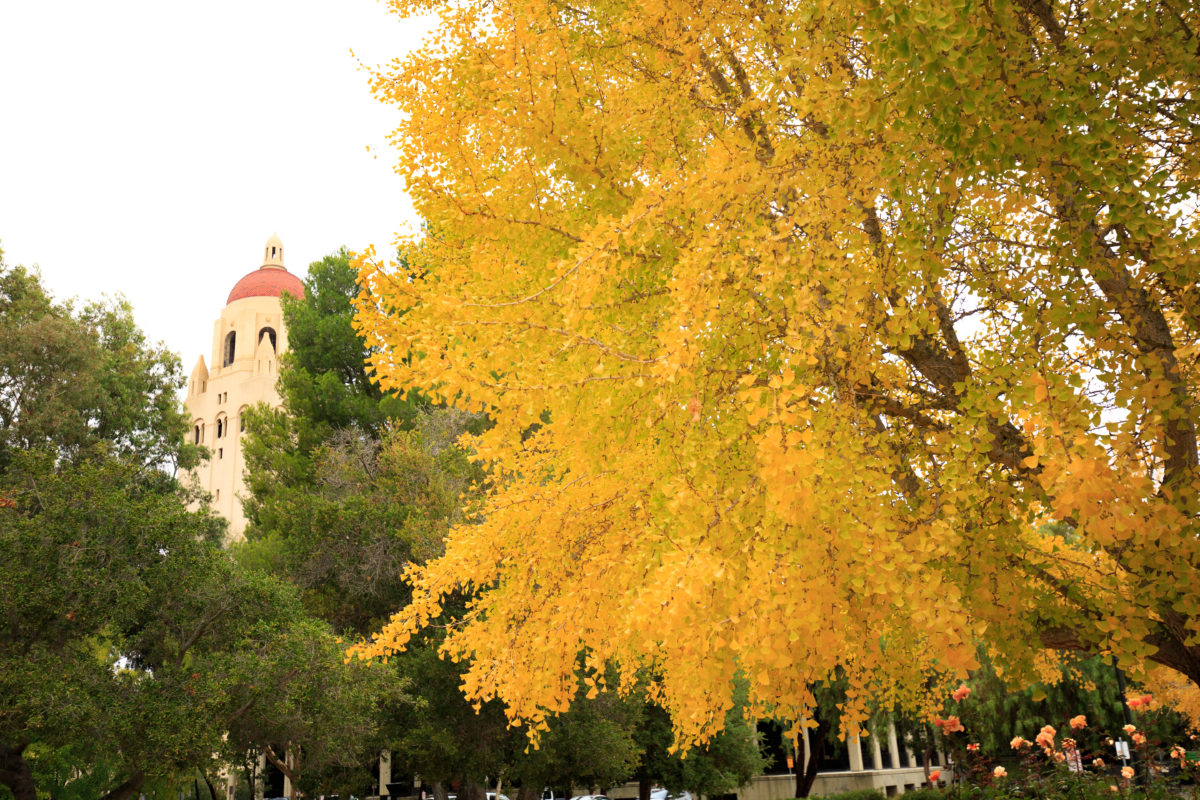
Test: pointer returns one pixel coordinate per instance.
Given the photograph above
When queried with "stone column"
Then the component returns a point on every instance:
(260, 777)
(876, 754)
(893, 745)
(854, 745)
(385, 771)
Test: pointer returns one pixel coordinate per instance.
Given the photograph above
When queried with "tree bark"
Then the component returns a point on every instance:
(806, 776)
(212, 790)
(472, 790)
(126, 789)
(439, 790)
(644, 788)
(292, 773)
(15, 772)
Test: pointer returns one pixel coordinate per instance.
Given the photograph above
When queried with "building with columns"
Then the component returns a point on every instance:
(248, 338)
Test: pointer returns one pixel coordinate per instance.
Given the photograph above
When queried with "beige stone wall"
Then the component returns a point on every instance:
(218, 393)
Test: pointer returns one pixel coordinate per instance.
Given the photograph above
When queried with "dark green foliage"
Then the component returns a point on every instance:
(71, 378)
(995, 712)
(592, 745)
(728, 761)
(347, 485)
(862, 794)
(342, 520)
(323, 380)
(924, 794)
(130, 643)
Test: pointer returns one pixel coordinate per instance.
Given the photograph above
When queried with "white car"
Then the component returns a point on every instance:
(662, 794)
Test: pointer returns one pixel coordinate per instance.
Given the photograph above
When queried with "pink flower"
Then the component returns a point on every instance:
(1078, 722)
(973, 747)
(935, 776)
(1129, 728)
(1126, 772)
(961, 693)
(1135, 702)
(999, 772)
(1017, 743)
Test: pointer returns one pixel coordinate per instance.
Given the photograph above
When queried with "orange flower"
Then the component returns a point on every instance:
(1138, 738)
(973, 747)
(935, 776)
(1112, 787)
(1178, 752)
(1078, 722)
(999, 772)
(1126, 772)
(1045, 737)
(1129, 728)
(1098, 763)
(949, 725)
(1135, 702)
(961, 693)
(1017, 743)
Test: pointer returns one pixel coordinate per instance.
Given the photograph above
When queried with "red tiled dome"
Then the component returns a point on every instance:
(266, 283)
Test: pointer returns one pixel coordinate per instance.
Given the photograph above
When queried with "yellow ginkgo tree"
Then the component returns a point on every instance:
(820, 336)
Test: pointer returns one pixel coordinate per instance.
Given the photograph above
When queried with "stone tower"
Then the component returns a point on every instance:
(248, 337)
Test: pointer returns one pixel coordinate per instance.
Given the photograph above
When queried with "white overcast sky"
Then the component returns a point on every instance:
(150, 147)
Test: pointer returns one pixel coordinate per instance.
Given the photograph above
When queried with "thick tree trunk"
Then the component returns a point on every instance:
(806, 776)
(128, 788)
(528, 793)
(644, 788)
(472, 791)
(15, 772)
(439, 790)
(212, 790)
(290, 771)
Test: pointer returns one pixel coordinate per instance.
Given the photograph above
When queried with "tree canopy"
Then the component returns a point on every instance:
(818, 336)
(132, 647)
(70, 378)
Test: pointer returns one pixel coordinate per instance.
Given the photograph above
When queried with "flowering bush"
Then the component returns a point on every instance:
(1072, 767)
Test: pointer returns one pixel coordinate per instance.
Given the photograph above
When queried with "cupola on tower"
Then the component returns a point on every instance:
(248, 338)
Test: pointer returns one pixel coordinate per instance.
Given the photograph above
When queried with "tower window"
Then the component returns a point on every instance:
(220, 429)
(269, 332)
(196, 435)
(229, 349)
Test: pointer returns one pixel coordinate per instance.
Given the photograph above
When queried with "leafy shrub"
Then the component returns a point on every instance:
(925, 793)
(858, 794)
